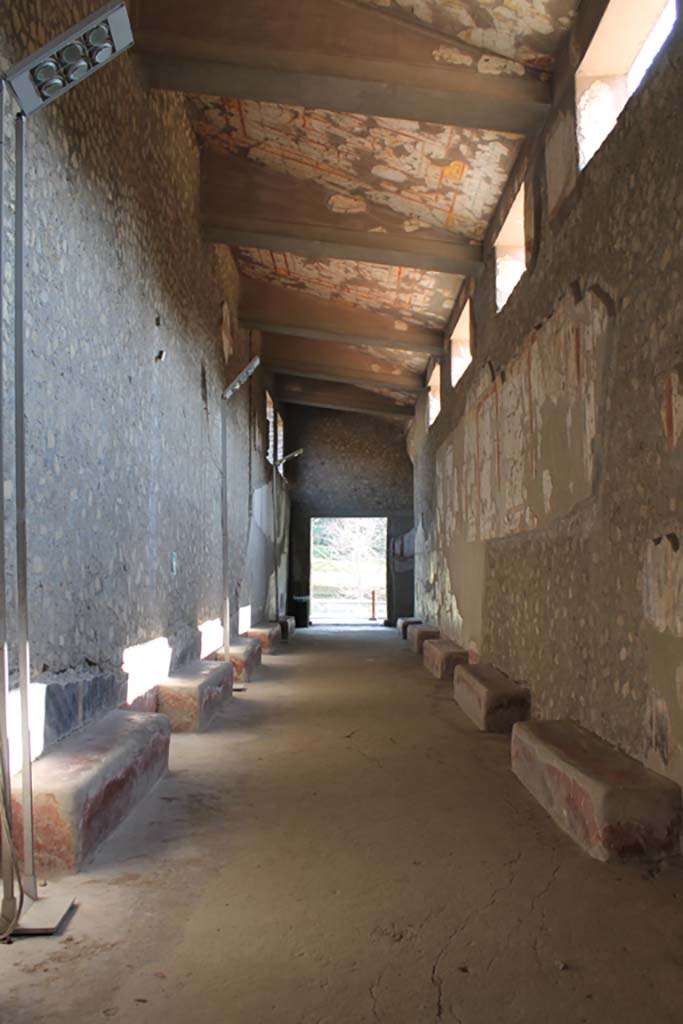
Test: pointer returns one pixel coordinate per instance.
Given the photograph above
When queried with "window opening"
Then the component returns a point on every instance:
(510, 251)
(626, 43)
(461, 353)
(434, 397)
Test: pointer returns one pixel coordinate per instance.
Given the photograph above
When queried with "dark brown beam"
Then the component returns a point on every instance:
(330, 56)
(290, 312)
(471, 101)
(301, 357)
(343, 397)
(340, 245)
(376, 380)
(247, 205)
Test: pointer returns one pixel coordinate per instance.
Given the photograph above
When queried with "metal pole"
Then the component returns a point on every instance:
(9, 903)
(275, 539)
(29, 877)
(224, 525)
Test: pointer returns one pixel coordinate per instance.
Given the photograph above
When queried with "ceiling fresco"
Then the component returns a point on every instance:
(432, 176)
(410, 296)
(527, 30)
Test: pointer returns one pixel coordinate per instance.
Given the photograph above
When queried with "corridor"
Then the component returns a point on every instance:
(343, 847)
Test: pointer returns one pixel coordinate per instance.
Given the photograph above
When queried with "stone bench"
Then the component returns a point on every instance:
(269, 635)
(492, 700)
(245, 658)
(192, 695)
(441, 657)
(402, 625)
(417, 633)
(86, 785)
(609, 803)
(287, 627)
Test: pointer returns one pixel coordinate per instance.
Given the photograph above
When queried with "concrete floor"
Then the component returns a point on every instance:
(344, 848)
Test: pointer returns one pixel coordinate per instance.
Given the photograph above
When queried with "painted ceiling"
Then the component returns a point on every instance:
(528, 30)
(432, 176)
(411, 296)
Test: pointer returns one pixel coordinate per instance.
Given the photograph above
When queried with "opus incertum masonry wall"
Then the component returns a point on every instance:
(124, 487)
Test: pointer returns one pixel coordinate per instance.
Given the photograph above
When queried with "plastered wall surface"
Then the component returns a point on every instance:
(549, 491)
(124, 453)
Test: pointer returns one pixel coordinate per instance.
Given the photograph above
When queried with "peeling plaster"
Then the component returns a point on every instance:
(420, 296)
(528, 437)
(491, 65)
(452, 55)
(672, 409)
(663, 583)
(527, 30)
(347, 204)
(434, 176)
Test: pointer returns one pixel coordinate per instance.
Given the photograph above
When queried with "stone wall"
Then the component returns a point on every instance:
(549, 491)
(124, 451)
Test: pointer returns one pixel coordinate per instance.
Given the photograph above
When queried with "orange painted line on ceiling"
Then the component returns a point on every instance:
(293, 157)
(241, 117)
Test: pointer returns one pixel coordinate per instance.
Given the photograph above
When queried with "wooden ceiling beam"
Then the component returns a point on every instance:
(317, 243)
(334, 57)
(471, 100)
(250, 206)
(315, 360)
(342, 397)
(293, 312)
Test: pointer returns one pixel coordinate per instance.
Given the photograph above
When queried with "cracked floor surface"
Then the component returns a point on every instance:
(342, 847)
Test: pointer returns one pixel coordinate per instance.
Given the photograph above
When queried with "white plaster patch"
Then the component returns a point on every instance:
(662, 583)
(547, 490)
(491, 65)
(452, 55)
(389, 173)
(347, 204)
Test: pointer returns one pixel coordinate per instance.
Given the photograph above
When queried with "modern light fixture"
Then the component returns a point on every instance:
(36, 82)
(231, 390)
(72, 57)
(292, 455)
(242, 378)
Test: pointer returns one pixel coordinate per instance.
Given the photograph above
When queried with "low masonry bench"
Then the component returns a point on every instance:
(402, 625)
(610, 804)
(287, 627)
(492, 700)
(86, 785)
(441, 657)
(418, 633)
(269, 635)
(192, 695)
(245, 658)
